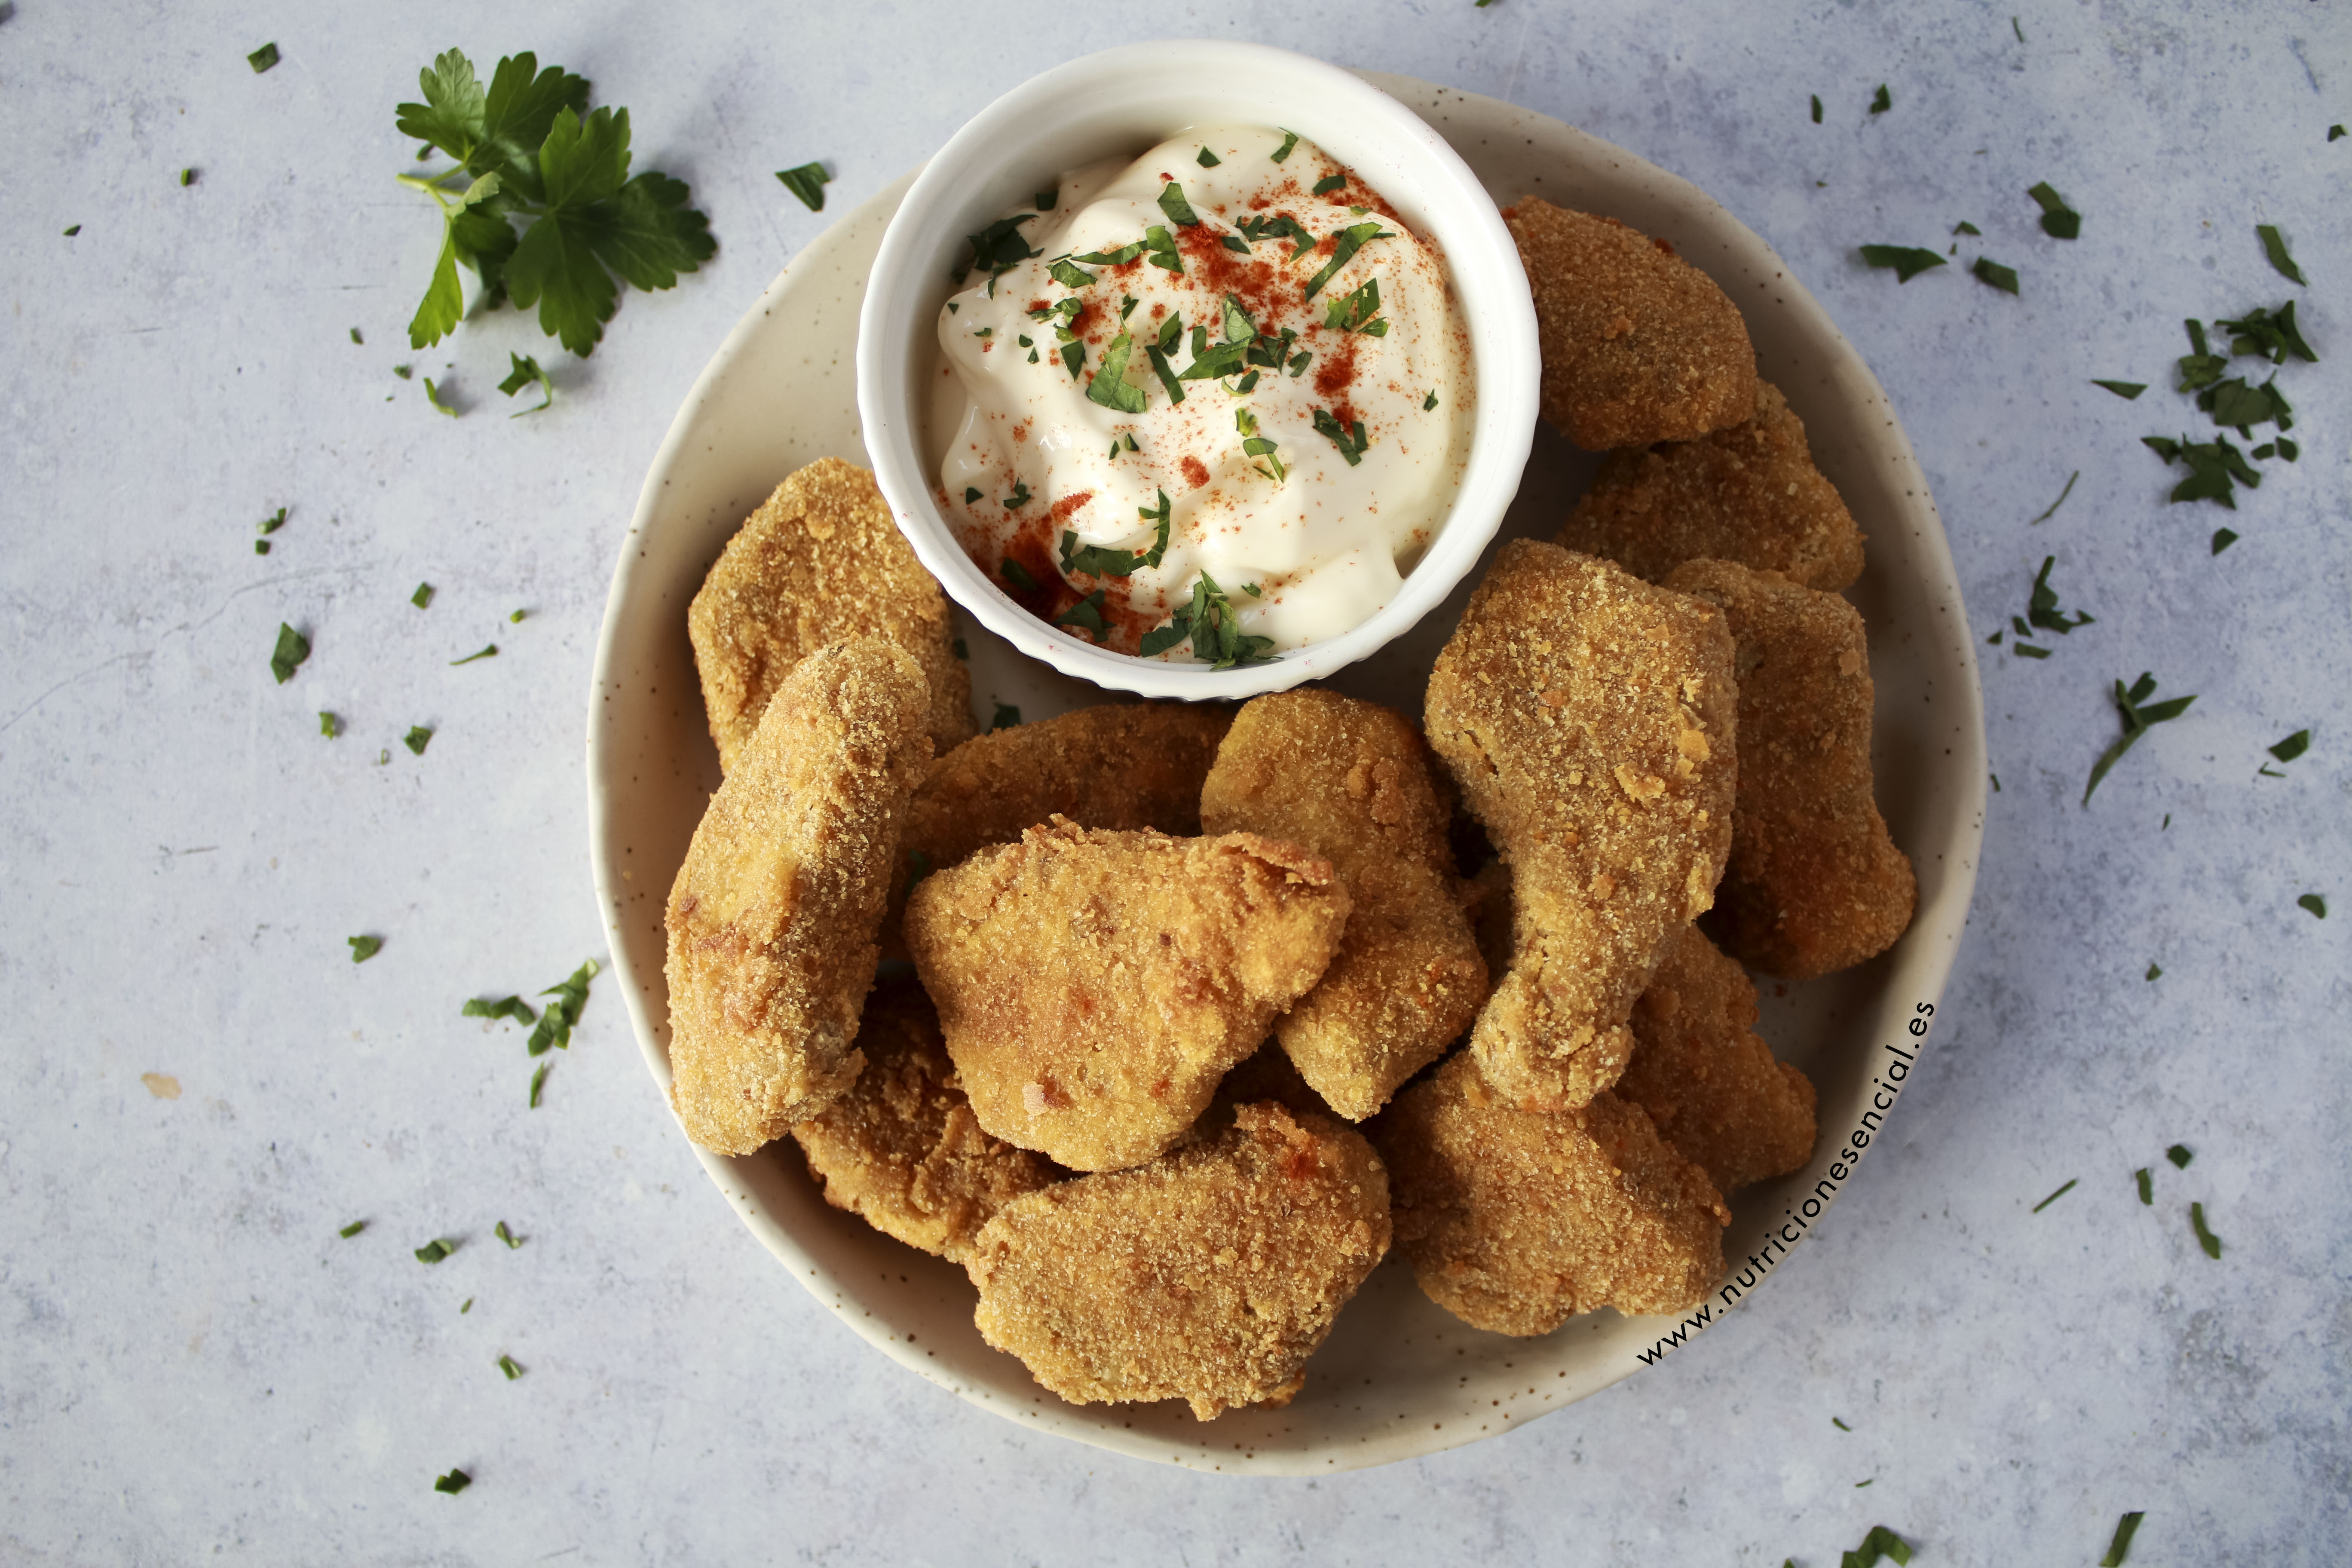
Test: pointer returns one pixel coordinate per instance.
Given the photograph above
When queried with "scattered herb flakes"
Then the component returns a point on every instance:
(555, 1022)
(2147, 1187)
(2023, 650)
(1006, 717)
(1109, 387)
(262, 58)
(328, 724)
(417, 739)
(1085, 614)
(2041, 608)
(1350, 440)
(2223, 539)
(188, 177)
(1020, 496)
(1208, 160)
(1988, 270)
(1289, 140)
(538, 1080)
(2055, 1197)
(2336, 133)
(2293, 746)
(490, 652)
(518, 617)
(513, 1007)
(1429, 403)
(1908, 260)
(465, 1306)
(507, 1364)
(2018, 30)
(1329, 182)
(352, 1229)
(1344, 247)
(1018, 575)
(355, 336)
(432, 396)
(423, 596)
(1882, 101)
(1880, 1542)
(72, 229)
(2138, 719)
(2180, 1155)
(808, 181)
(2274, 246)
(509, 1237)
(2205, 1238)
(1180, 211)
(435, 1250)
(2127, 390)
(2314, 903)
(1839, 1425)
(2154, 972)
(1208, 621)
(1817, 109)
(1859, 1485)
(453, 1483)
(2058, 220)
(2120, 1547)
(998, 248)
(364, 947)
(402, 371)
(292, 648)
(2054, 505)
(525, 372)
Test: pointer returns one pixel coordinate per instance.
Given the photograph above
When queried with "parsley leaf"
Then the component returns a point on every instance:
(2055, 1197)
(1163, 248)
(2058, 220)
(1344, 247)
(1351, 441)
(364, 947)
(513, 1007)
(2137, 723)
(352, 1229)
(506, 1364)
(526, 370)
(262, 58)
(807, 182)
(555, 1024)
(1110, 387)
(1207, 620)
(1180, 211)
(292, 648)
(423, 596)
(538, 1080)
(2293, 746)
(1123, 255)
(2314, 903)
(2146, 1184)
(1018, 575)
(2043, 604)
(509, 1237)
(1208, 160)
(2127, 390)
(1908, 260)
(1989, 271)
(1329, 182)
(1101, 561)
(329, 725)
(2274, 246)
(1880, 1542)
(2205, 1238)
(1358, 311)
(2180, 1155)
(437, 1249)
(432, 396)
(453, 1483)
(2154, 972)
(1882, 101)
(490, 652)
(998, 248)
(417, 739)
(1290, 140)
(1067, 275)
(1085, 614)
(2270, 334)
(2126, 1527)
(1817, 109)
(1965, 227)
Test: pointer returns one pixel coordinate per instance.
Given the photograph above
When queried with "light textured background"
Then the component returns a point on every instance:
(192, 1364)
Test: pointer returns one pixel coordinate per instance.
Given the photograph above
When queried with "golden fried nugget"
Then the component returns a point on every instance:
(1094, 986)
(1210, 1275)
(771, 918)
(819, 562)
(901, 1149)
(1514, 1220)
(1639, 346)
(1815, 883)
(1349, 781)
(1749, 494)
(1587, 717)
(1710, 1085)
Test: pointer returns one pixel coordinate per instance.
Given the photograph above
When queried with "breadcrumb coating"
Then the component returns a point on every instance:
(1815, 882)
(1094, 985)
(1349, 781)
(901, 1149)
(1210, 1275)
(771, 918)
(819, 562)
(1706, 1079)
(1639, 346)
(1749, 493)
(1588, 717)
(1515, 1220)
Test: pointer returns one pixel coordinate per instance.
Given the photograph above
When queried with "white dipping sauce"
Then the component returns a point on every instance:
(1325, 541)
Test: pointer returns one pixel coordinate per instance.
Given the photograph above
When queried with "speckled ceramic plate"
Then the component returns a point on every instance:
(1399, 1377)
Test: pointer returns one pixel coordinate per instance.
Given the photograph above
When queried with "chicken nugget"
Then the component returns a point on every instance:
(1514, 1220)
(1349, 781)
(1710, 1085)
(819, 562)
(1210, 1275)
(1639, 346)
(1749, 494)
(901, 1149)
(771, 918)
(1588, 717)
(1094, 986)
(1815, 882)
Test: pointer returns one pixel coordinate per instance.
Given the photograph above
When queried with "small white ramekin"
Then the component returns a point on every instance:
(1127, 99)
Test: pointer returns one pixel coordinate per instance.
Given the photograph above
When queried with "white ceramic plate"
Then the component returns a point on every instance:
(1398, 1376)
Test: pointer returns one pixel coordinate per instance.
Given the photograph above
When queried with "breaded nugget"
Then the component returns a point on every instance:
(1514, 1220)
(1094, 986)
(901, 1149)
(1587, 717)
(1749, 494)
(1639, 346)
(819, 562)
(1815, 883)
(1349, 781)
(1208, 1276)
(771, 918)
(1710, 1085)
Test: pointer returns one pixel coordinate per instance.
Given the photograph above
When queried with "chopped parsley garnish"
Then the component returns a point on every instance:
(1256, 446)
(2137, 721)
(1006, 717)
(2314, 903)
(1124, 254)
(2059, 221)
(1358, 311)
(1085, 614)
(1834, 1420)
(2154, 972)
(432, 396)
(1429, 403)
(2274, 246)
(507, 1364)
(2054, 505)
(453, 1483)
(437, 1249)
(403, 371)
(1990, 271)
(1073, 358)
(364, 947)
(1070, 275)
(292, 648)
(1290, 140)
(1882, 101)
(2042, 606)
(2336, 133)
(1256, 228)
(529, 150)
(1157, 354)
(997, 249)
(1020, 496)
(1047, 199)
(1329, 182)
(2205, 1238)
(71, 230)
(538, 1080)
(518, 617)
(2055, 1197)
(1018, 575)
(2127, 390)
(807, 182)
(2120, 1547)
(352, 1229)
(417, 739)
(465, 1306)
(262, 58)
(490, 652)
(1344, 246)
(970, 494)
(555, 1022)
(2269, 333)
(1207, 620)
(1908, 260)
(1099, 561)
(1180, 211)
(2180, 1155)
(1350, 440)
(2147, 1187)
(1160, 248)
(1965, 227)
(525, 371)
(1880, 1542)
(2293, 746)
(509, 1237)
(1817, 109)
(1208, 160)
(513, 1007)
(275, 521)
(1110, 386)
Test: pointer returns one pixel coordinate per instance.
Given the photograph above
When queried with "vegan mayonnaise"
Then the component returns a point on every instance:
(1214, 401)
